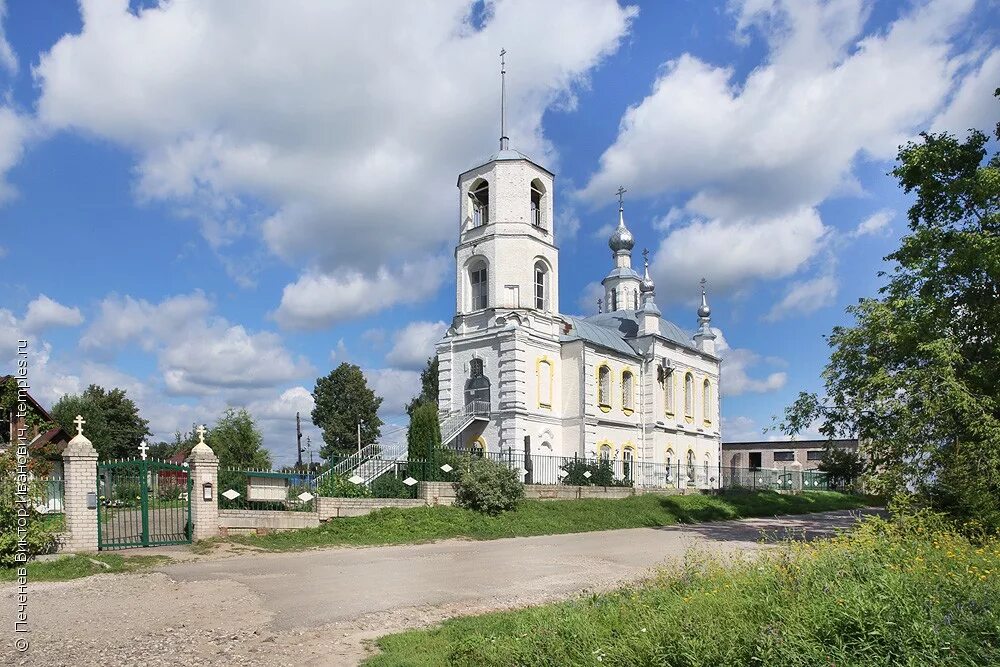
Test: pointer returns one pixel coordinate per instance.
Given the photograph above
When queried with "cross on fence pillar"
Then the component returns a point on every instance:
(204, 466)
(80, 475)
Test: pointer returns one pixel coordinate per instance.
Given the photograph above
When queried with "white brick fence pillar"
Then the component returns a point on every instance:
(204, 466)
(80, 475)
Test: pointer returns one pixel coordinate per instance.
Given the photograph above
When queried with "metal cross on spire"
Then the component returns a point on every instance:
(645, 256)
(503, 101)
(79, 424)
(621, 197)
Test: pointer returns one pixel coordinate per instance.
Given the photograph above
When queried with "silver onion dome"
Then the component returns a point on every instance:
(646, 285)
(621, 239)
(704, 311)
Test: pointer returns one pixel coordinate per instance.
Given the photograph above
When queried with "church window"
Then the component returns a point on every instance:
(628, 392)
(613, 301)
(541, 286)
(477, 387)
(537, 192)
(604, 387)
(478, 279)
(635, 300)
(605, 453)
(476, 368)
(706, 395)
(690, 465)
(627, 460)
(668, 393)
(669, 462)
(544, 371)
(480, 196)
(688, 395)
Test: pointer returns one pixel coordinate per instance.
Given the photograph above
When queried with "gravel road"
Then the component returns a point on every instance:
(323, 607)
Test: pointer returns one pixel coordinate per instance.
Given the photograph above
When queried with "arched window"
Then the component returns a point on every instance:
(537, 194)
(604, 387)
(690, 465)
(628, 459)
(668, 392)
(604, 452)
(479, 280)
(668, 462)
(706, 399)
(635, 300)
(541, 286)
(477, 387)
(544, 370)
(478, 447)
(628, 392)
(479, 193)
(689, 395)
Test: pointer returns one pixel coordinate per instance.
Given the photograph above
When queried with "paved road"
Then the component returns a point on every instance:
(320, 607)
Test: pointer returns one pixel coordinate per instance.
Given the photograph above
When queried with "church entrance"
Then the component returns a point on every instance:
(477, 389)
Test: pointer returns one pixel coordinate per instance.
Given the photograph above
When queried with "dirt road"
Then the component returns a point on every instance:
(322, 607)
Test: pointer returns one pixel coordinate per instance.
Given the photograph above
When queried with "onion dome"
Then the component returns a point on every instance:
(704, 312)
(621, 239)
(647, 285)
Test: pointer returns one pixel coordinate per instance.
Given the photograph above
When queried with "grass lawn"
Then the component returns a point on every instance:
(76, 566)
(424, 524)
(885, 595)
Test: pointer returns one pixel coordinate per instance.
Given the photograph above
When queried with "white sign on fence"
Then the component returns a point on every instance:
(267, 488)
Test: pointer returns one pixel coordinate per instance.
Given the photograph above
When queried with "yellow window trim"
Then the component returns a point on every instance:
(538, 371)
(628, 411)
(605, 407)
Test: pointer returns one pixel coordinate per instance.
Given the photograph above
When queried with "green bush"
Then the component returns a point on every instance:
(338, 486)
(390, 486)
(40, 537)
(601, 474)
(488, 487)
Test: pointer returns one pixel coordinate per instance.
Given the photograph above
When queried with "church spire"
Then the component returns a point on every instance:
(503, 102)
(649, 322)
(705, 338)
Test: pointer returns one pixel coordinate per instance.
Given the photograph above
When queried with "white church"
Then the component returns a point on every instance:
(517, 375)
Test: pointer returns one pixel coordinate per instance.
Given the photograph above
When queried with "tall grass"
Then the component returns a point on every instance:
(911, 592)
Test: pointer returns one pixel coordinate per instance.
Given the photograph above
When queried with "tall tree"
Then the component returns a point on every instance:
(428, 387)
(342, 401)
(424, 433)
(113, 423)
(237, 442)
(915, 378)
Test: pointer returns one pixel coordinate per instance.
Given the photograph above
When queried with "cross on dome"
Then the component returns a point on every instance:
(79, 421)
(621, 197)
(201, 434)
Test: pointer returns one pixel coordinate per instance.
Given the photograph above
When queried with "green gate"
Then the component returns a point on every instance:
(143, 503)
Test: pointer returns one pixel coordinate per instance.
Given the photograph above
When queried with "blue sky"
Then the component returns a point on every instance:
(211, 204)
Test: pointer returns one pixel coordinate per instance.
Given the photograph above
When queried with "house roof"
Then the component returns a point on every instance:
(505, 155)
(844, 443)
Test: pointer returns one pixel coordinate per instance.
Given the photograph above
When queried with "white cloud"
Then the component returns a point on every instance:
(197, 353)
(44, 313)
(414, 344)
(397, 387)
(736, 362)
(876, 223)
(587, 303)
(753, 157)
(804, 297)
(973, 105)
(15, 131)
(319, 300)
(729, 253)
(299, 109)
(8, 60)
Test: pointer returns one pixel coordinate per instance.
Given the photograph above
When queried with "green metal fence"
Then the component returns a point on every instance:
(266, 490)
(143, 503)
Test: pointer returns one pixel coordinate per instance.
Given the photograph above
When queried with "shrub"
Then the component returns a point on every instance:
(601, 474)
(40, 537)
(338, 486)
(390, 486)
(489, 487)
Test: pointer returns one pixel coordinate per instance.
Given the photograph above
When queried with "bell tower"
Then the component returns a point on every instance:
(506, 257)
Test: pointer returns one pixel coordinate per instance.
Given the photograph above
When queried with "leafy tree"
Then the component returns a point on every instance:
(113, 423)
(162, 450)
(342, 400)
(489, 487)
(842, 466)
(423, 436)
(428, 387)
(915, 378)
(237, 442)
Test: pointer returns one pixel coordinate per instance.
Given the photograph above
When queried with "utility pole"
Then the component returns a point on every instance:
(298, 437)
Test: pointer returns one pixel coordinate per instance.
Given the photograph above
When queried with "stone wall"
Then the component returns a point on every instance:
(337, 508)
(443, 493)
(244, 521)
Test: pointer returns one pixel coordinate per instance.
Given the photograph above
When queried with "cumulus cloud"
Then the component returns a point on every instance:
(414, 344)
(876, 223)
(15, 130)
(197, 353)
(753, 157)
(804, 297)
(973, 105)
(44, 313)
(736, 364)
(396, 386)
(317, 300)
(8, 60)
(299, 109)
